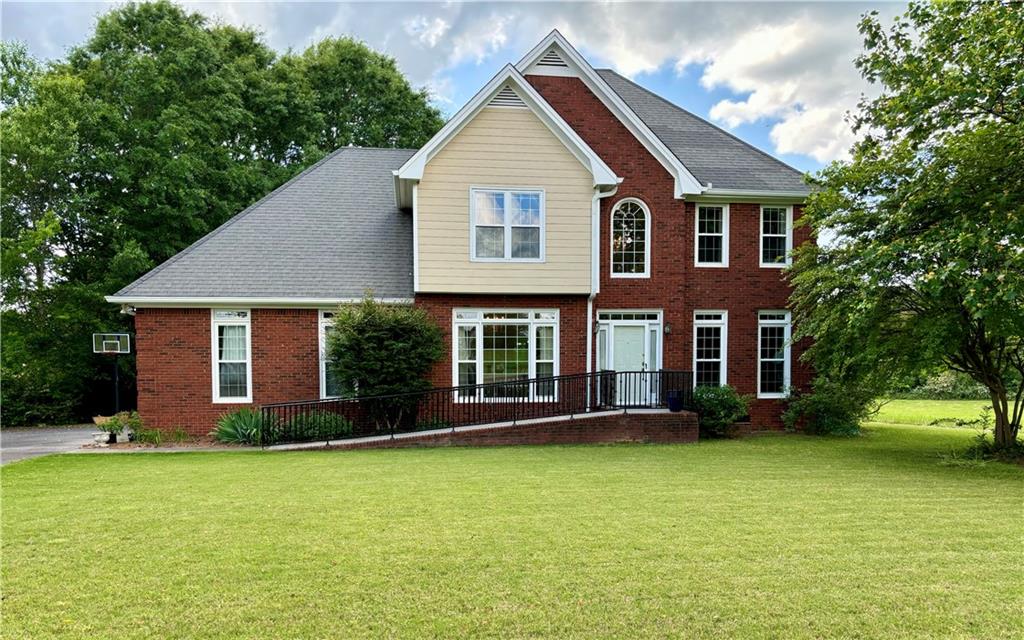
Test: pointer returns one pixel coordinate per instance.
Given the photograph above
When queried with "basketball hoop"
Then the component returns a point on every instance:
(113, 344)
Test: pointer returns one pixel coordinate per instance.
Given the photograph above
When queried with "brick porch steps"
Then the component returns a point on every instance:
(632, 425)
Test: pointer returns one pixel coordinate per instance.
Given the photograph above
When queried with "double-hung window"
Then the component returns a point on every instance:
(776, 236)
(503, 349)
(773, 335)
(507, 225)
(712, 237)
(710, 334)
(232, 356)
(329, 385)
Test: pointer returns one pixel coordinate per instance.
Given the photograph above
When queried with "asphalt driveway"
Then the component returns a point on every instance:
(31, 442)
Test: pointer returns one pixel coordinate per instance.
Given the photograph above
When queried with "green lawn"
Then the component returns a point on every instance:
(766, 537)
(925, 411)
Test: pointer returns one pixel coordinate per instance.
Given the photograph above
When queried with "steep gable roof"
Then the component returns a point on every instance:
(324, 236)
(714, 156)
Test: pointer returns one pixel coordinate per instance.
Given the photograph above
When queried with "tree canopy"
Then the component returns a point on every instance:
(154, 131)
(927, 265)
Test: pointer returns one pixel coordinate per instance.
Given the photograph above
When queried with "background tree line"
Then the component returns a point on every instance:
(157, 129)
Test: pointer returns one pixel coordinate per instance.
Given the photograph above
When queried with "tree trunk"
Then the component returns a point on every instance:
(1005, 431)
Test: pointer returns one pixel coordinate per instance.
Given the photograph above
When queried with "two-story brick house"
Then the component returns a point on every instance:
(565, 220)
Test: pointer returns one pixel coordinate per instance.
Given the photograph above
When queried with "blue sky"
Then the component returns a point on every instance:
(778, 75)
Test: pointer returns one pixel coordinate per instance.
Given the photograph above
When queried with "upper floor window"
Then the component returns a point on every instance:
(776, 236)
(631, 247)
(712, 237)
(232, 356)
(507, 225)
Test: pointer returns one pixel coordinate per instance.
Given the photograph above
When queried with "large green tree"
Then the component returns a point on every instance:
(154, 131)
(926, 265)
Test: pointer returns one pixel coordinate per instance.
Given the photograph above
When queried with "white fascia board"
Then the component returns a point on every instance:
(602, 173)
(188, 301)
(685, 182)
(747, 195)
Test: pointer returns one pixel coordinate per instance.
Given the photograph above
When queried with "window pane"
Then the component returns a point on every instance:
(709, 249)
(525, 242)
(332, 386)
(467, 343)
(545, 344)
(232, 380)
(773, 249)
(708, 374)
(709, 343)
(773, 221)
(772, 376)
(773, 343)
(629, 239)
(526, 208)
(506, 358)
(490, 242)
(490, 207)
(231, 340)
(710, 220)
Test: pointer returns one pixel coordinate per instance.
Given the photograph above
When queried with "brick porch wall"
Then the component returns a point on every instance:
(676, 286)
(175, 370)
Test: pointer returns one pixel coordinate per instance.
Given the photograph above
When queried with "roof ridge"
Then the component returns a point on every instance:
(231, 221)
(705, 121)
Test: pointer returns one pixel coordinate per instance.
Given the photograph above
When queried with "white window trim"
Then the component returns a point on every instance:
(725, 235)
(724, 323)
(647, 240)
(508, 191)
(761, 237)
(479, 323)
(786, 367)
(322, 324)
(215, 360)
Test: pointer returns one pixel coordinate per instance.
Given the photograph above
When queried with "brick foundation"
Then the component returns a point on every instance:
(659, 427)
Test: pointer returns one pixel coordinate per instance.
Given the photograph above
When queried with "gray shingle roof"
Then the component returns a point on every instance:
(331, 232)
(711, 154)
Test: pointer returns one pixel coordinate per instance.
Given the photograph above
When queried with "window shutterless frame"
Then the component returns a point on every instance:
(507, 224)
(711, 319)
(325, 319)
(770, 233)
(710, 231)
(230, 318)
(773, 326)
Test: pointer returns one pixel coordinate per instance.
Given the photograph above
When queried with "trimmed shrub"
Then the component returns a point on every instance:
(242, 426)
(718, 409)
(947, 385)
(831, 408)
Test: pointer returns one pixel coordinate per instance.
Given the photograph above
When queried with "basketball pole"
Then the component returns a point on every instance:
(117, 384)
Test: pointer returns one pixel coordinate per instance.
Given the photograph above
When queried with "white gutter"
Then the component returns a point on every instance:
(595, 272)
(189, 301)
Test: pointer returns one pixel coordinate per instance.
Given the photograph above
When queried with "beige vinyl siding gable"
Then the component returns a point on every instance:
(504, 148)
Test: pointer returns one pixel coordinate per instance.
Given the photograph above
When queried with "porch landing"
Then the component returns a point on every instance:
(632, 425)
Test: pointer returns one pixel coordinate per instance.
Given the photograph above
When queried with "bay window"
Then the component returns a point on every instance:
(773, 335)
(507, 225)
(232, 355)
(505, 347)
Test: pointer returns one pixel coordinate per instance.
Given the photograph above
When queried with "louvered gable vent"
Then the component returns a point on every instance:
(551, 59)
(507, 98)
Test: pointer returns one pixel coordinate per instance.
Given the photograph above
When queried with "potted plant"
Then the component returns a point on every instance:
(121, 426)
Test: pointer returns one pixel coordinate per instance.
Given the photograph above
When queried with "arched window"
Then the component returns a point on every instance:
(631, 246)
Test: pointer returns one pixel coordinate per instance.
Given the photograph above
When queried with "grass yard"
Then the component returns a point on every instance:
(925, 411)
(767, 537)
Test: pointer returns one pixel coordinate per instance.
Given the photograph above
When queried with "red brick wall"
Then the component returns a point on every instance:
(676, 285)
(572, 325)
(660, 428)
(175, 370)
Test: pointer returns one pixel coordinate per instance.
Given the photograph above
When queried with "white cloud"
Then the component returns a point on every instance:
(786, 65)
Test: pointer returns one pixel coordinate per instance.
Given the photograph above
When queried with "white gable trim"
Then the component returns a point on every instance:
(685, 182)
(412, 170)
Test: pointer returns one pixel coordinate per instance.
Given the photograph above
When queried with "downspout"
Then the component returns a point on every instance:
(595, 271)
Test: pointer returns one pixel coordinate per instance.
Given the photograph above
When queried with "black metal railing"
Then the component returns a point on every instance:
(452, 407)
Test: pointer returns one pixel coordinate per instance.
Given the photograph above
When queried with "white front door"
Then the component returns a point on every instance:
(630, 361)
